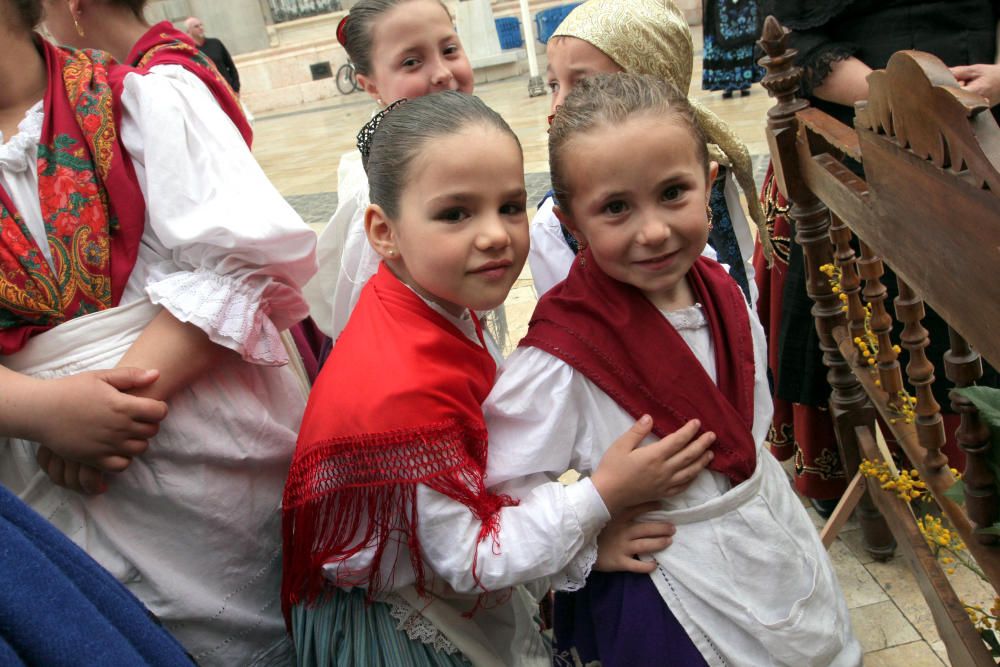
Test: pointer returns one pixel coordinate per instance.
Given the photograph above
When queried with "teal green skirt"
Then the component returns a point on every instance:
(342, 630)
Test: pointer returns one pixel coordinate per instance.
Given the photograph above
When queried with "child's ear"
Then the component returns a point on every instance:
(379, 232)
(567, 221)
(713, 172)
(368, 85)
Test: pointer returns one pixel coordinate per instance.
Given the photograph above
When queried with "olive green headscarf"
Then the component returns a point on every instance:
(653, 37)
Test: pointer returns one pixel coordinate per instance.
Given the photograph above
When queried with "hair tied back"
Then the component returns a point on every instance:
(342, 30)
(367, 132)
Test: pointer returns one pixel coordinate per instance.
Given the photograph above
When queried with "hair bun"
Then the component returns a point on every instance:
(342, 30)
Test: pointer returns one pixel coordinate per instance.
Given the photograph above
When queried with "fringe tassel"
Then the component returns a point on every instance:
(347, 497)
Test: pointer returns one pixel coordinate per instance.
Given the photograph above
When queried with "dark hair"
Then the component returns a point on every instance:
(27, 12)
(610, 99)
(358, 27)
(402, 133)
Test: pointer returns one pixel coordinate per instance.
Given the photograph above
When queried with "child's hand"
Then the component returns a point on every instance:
(624, 538)
(629, 474)
(70, 474)
(88, 418)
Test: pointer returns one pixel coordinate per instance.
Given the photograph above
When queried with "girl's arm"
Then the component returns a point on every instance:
(541, 535)
(846, 83)
(85, 417)
(182, 352)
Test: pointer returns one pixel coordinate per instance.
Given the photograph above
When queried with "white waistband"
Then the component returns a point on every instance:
(727, 502)
(88, 341)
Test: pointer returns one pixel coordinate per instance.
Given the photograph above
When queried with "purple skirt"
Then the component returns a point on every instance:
(620, 619)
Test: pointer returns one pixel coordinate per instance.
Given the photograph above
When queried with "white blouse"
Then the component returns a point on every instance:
(346, 259)
(229, 255)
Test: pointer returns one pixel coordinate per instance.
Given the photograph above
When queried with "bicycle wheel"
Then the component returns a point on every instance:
(346, 82)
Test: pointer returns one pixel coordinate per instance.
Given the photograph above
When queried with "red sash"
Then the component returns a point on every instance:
(398, 403)
(165, 45)
(91, 203)
(611, 333)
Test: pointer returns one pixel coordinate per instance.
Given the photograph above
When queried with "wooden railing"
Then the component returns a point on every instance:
(928, 207)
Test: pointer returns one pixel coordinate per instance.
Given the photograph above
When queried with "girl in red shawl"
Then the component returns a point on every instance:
(396, 552)
(136, 229)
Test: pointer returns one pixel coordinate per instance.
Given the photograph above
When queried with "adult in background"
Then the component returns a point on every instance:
(214, 49)
(731, 28)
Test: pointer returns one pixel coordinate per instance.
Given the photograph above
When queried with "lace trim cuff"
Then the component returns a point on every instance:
(230, 312)
(574, 576)
(818, 65)
(416, 626)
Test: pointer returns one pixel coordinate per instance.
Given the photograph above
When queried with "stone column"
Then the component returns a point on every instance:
(478, 32)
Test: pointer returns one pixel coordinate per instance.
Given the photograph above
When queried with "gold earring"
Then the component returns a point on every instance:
(708, 210)
(391, 253)
(79, 30)
(581, 248)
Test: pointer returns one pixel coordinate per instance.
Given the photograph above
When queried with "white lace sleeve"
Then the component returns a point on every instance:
(346, 259)
(230, 254)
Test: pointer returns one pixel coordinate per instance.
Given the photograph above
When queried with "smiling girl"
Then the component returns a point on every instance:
(396, 552)
(643, 324)
(400, 49)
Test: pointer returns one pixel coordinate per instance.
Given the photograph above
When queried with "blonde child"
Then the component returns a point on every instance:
(400, 49)
(396, 552)
(645, 37)
(644, 325)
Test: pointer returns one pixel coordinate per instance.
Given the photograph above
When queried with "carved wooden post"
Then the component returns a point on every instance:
(849, 405)
(875, 293)
(850, 281)
(963, 367)
(920, 371)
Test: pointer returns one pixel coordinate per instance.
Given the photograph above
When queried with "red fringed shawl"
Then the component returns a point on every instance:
(397, 404)
(611, 333)
(165, 45)
(91, 203)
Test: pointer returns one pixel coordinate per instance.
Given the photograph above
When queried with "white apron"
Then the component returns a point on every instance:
(717, 564)
(192, 527)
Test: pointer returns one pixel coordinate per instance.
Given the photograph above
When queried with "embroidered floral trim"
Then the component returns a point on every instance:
(416, 626)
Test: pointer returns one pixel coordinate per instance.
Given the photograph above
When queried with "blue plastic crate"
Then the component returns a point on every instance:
(547, 20)
(509, 32)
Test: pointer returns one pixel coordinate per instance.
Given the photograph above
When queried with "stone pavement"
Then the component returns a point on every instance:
(300, 148)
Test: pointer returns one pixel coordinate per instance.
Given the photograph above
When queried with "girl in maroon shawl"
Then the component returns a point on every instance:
(644, 324)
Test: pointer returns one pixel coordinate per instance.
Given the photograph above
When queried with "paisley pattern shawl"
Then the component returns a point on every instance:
(91, 205)
(165, 45)
(653, 37)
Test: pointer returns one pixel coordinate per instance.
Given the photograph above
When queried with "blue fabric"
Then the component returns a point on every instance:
(619, 619)
(722, 236)
(59, 608)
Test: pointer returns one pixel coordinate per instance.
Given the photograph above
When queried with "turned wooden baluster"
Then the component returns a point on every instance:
(849, 404)
(920, 372)
(850, 280)
(964, 367)
(875, 293)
